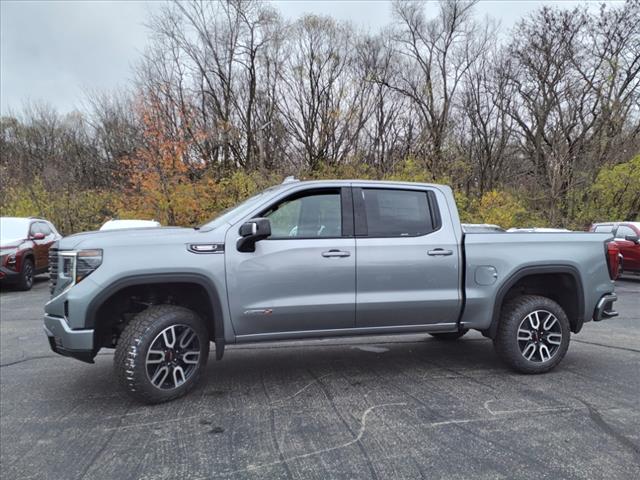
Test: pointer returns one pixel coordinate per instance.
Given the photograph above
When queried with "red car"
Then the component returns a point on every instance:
(24, 249)
(627, 238)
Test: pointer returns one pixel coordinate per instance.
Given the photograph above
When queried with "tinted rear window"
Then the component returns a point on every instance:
(397, 213)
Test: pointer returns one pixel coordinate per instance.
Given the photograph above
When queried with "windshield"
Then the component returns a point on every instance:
(238, 210)
(13, 229)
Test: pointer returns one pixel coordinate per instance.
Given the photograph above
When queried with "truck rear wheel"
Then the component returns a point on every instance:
(161, 353)
(533, 334)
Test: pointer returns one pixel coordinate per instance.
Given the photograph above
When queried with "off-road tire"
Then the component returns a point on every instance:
(449, 336)
(135, 342)
(506, 340)
(25, 282)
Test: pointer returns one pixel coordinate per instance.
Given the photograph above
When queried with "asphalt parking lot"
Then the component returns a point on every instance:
(376, 407)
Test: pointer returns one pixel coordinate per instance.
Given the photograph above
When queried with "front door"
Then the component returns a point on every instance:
(408, 266)
(302, 278)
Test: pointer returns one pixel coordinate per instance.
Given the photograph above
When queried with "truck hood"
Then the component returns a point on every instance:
(141, 236)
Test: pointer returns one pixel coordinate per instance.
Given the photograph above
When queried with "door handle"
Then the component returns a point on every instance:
(336, 253)
(440, 252)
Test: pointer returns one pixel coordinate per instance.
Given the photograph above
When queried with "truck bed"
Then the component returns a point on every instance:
(494, 261)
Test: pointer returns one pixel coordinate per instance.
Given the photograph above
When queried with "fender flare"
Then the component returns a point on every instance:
(157, 278)
(536, 270)
(28, 252)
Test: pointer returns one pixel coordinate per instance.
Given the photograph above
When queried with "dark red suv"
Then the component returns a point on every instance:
(627, 238)
(24, 249)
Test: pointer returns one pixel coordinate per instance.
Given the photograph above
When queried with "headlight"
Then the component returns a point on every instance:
(8, 256)
(78, 265)
(87, 261)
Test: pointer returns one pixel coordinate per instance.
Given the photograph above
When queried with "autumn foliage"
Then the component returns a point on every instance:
(160, 182)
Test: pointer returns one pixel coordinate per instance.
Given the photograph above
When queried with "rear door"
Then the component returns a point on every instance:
(408, 259)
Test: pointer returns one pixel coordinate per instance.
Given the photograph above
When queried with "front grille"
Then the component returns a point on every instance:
(53, 269)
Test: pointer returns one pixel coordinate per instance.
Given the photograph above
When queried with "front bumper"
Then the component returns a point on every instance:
(604, 308)
(70, 343)
(8, 275)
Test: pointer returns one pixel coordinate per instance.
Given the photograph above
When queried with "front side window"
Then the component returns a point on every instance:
(603, 229)
(623, 231)
(397, 213)
(313, 215)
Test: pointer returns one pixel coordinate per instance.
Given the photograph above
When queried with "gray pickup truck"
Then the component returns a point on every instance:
(319, 259)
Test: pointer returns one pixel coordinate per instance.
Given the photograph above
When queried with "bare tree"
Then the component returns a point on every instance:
(609, 65)
(433, 56)
(572, 89)
(386, 132)
(323, 103)
(485, 129)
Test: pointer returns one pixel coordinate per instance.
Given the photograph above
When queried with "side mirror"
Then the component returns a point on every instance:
(38, 236)
(251, 232)
(632, 238)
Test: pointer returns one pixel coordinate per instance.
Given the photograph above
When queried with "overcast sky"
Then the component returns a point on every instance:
(55, 51)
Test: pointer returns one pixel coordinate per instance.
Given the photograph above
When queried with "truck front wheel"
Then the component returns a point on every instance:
(533, 334)
(161, 353)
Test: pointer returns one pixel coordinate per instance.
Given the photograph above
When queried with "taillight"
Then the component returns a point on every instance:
(612, 253)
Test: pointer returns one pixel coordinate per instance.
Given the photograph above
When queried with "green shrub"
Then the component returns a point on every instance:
(615, 195)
